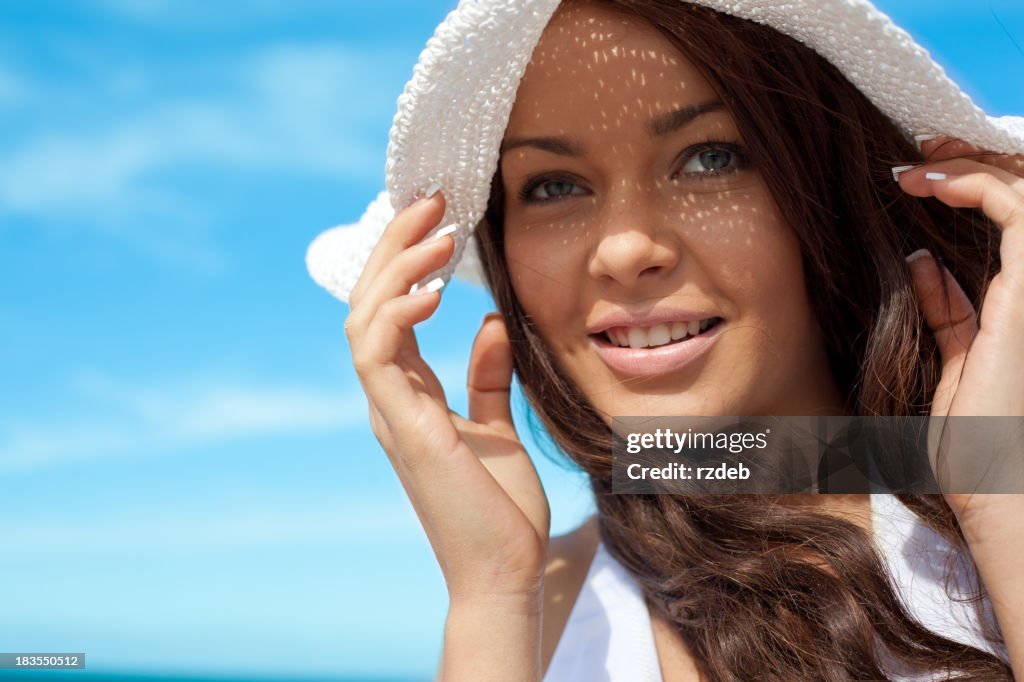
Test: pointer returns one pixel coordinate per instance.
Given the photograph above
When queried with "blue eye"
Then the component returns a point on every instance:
(711, 160)
(715, 159)
(546, 189)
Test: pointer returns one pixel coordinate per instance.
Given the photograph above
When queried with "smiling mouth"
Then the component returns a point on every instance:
(656, 336)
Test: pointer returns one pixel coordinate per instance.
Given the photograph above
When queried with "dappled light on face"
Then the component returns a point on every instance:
(628, 187)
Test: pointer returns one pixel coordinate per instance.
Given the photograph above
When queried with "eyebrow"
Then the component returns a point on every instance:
(660, 125)
(556, 145)
(674, 120)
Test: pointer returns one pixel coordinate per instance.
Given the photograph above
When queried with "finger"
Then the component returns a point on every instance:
(389, 335)
(405, 269)
(408, 227)
(395, 377)
(489, 382)
(953, 320)
(396, 279)
(1003, 205)
(915, 182)
(943, 148)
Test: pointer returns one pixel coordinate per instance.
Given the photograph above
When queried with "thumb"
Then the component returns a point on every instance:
(490, 375)
(952, 321)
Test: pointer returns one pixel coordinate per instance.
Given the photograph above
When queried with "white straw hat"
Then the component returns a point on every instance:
(453, 113)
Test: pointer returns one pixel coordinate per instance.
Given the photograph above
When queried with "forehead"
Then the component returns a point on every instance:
(608, 67)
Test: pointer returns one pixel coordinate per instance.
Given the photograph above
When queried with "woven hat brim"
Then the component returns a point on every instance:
(453, 112)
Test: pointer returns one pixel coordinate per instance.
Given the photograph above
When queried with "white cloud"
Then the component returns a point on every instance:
(300, 109)
(303, 109)
(119, 418)
(250, 524)
(122, 418)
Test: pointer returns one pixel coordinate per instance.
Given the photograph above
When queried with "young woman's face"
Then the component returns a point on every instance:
(642, 243)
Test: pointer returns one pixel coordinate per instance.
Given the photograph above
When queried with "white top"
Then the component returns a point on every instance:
(608, 636)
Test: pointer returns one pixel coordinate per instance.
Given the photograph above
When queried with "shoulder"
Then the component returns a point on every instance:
(568, 561)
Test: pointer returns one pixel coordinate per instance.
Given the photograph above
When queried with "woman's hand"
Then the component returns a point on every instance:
(982, 366)
(470, 481)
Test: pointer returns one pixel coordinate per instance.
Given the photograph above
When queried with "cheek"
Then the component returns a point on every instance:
(751, 252)
(544, 265)
(757, 265)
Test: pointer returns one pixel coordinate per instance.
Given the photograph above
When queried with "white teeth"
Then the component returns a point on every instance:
(659, 335)
(637, 338)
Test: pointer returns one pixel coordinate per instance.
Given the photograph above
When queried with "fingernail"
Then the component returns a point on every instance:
(444, 232)
(919, 139)
(934, 176)
(896, 170)
(430, 191)
(917, 255)
(430, 287)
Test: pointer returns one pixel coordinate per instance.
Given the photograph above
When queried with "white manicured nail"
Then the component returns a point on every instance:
(917, 255)
(432, 190)
(430, 287)
(934, 176)
(896, 170)
(919, 139)
(444, 232)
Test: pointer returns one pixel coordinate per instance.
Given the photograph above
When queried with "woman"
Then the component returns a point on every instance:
(716, 197)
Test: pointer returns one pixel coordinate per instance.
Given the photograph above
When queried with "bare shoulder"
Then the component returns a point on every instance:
(568, 561)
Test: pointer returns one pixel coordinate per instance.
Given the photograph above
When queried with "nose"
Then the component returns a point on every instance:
(633, 242)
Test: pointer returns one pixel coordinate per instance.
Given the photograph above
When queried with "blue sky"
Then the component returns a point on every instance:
(187, 479)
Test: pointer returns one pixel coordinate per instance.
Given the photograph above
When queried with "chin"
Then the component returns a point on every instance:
(662, 405)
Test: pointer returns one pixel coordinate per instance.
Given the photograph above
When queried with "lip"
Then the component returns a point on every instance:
(648, 362)
(622, 318)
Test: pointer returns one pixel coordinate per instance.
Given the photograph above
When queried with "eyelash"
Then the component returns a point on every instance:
(740, 161)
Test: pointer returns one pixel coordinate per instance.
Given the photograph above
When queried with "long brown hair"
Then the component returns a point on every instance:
(756, 587)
